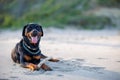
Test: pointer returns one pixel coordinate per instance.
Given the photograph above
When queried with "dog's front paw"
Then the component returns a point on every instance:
(54, 60)
(32, 66)
(46, 68)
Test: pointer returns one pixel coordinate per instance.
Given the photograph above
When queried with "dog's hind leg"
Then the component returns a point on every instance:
(14, 56)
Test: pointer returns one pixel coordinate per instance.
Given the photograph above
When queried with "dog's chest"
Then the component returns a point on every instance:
(29, 58)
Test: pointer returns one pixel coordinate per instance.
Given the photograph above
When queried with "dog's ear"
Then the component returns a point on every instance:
(23, 32)
(41, 30)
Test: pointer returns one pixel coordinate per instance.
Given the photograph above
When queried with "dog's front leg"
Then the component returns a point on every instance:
(24, 64)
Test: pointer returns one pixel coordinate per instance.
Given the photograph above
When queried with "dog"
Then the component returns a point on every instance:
(27, 52)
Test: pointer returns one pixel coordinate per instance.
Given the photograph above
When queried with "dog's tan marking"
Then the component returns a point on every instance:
(36, 57)
(28, 58)
(40, 34)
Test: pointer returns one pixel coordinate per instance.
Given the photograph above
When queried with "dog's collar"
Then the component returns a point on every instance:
(29, 46)
(26, 48)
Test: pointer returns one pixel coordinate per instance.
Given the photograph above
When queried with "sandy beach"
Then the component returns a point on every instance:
(83, 54)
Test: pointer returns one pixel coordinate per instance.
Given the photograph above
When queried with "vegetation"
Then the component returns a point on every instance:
(58, 13)
(110, 3)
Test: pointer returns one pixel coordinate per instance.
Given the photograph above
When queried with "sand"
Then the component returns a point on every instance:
(84, 55)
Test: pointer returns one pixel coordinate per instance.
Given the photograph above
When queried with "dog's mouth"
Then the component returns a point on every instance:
(34, 40)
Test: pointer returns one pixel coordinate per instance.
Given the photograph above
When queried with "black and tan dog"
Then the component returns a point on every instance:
(27, 51)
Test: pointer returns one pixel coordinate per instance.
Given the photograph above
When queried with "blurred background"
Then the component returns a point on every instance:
(82, 14)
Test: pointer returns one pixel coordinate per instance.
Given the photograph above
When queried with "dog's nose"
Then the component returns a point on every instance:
(34, 33)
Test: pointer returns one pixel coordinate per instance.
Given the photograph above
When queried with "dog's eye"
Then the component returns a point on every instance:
(38, 28)
(29, 29)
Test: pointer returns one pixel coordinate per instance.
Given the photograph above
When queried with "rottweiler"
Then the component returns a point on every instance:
(27, 52)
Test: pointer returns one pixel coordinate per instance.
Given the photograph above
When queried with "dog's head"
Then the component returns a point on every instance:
(33, 32)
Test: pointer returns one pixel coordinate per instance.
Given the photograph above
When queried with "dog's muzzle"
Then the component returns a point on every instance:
(34, 36)
(34, 33)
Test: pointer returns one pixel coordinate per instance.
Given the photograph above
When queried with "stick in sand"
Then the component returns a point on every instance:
(43, 61)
